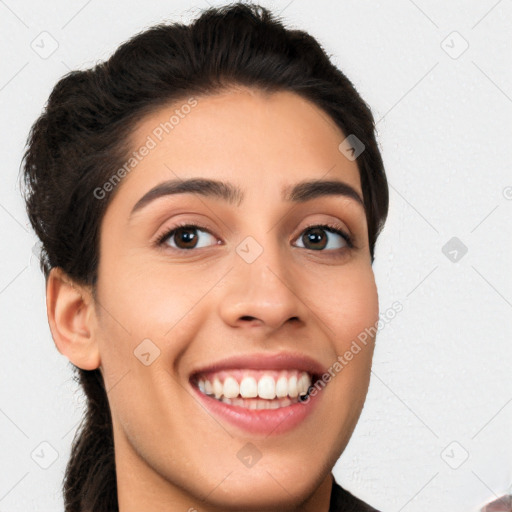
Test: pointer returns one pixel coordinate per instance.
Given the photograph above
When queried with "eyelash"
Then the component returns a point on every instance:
(332, 228)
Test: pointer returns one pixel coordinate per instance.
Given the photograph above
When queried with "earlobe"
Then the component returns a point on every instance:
(71, 316)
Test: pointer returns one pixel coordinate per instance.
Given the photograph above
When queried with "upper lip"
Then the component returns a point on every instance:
(265, 361)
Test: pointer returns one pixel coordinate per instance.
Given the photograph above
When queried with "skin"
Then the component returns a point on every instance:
(202, 305)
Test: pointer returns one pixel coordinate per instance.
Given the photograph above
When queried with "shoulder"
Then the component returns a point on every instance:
(344, 501)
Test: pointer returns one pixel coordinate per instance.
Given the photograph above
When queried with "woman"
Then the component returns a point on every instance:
(208, 202)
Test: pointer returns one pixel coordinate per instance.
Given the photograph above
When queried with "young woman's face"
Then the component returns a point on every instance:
(251, 297)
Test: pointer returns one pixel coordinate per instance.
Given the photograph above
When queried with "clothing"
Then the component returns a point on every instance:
(343, 501)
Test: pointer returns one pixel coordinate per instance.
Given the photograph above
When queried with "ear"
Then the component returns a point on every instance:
(71, 316)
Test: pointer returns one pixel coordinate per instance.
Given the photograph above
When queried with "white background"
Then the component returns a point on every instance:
(435, 433)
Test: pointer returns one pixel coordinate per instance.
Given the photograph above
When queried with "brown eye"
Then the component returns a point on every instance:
(187, 237)
(324, 237)
(192, 236)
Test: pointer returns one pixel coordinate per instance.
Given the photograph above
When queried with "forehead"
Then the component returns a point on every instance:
(261, 142)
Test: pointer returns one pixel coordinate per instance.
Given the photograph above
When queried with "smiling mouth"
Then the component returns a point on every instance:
(256, 389)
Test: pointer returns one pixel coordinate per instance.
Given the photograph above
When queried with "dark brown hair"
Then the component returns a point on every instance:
(82, 137)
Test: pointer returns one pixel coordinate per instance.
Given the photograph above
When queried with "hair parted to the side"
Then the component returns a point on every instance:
(81, 138)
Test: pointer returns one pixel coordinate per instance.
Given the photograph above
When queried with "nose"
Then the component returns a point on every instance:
(262, 293)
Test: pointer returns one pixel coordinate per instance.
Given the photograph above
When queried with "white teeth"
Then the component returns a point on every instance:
(292, 387)
(274, 388)
(231, 388)
(303, 384)
(282, 387)
(256, 403)
(260, 404)
(217, 387)
(267, 387)
(249, 387)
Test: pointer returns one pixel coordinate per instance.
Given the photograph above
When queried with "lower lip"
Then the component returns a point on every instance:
(260, 421)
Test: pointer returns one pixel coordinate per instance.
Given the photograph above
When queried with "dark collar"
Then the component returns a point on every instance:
(343, 501)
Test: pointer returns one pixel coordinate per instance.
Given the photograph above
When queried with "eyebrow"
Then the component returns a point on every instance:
(298, 193)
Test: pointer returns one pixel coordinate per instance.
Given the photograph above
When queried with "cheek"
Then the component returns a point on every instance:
(148, 302)
(348, 305)
(147, 298)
